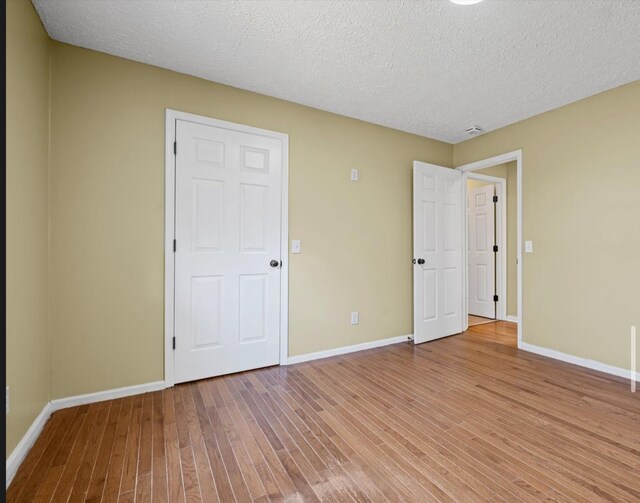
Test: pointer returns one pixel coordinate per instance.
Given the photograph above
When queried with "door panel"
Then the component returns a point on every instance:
(206, 311)
(437, 239)
(208, 201)
(430, 294)
(481, 267)
(227, 297)
(253, 307)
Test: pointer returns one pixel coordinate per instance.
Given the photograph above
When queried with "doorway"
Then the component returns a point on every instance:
(226, 239)
(505, 173)
(440, 249)
(486, 218)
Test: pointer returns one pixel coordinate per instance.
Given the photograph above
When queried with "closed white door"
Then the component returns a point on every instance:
(481, 267)
(437, 251)
(228, 256)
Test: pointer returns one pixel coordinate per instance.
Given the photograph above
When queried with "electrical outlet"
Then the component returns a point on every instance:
(355, 318)
(8, 401)
(355, 175)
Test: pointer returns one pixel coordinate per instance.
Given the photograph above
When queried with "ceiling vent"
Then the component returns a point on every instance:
(474, 130)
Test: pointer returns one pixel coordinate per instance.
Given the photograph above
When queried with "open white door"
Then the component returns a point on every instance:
(437, 252)
(482, 238)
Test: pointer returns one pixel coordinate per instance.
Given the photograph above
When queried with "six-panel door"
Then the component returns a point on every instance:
(228, 215)
(482, 270)
(437, 228)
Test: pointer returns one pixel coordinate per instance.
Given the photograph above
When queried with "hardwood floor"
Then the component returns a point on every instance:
(461, 419)
(478, 320)
(500, 332)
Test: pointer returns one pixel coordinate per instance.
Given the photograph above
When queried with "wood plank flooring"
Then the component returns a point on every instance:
(478, 320)
(500, 332)
(461, 419)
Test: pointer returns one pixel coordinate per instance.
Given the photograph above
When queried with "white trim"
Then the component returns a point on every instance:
(101, 396)
(347, 349)
(512, 319)
(16, 458)
(169, 256)
(491, 161)
(171, 116)
(582, 362)
(284, 253)
(501, 239)
(516, 155)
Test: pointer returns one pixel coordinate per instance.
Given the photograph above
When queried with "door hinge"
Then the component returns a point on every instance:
(495, 199)
(174, 343)
(495, 248)
(495, 298)
(175, 245)
(175, 148)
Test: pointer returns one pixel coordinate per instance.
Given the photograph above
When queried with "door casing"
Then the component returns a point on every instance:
(171, 116)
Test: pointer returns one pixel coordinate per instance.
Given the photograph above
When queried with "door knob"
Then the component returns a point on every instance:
(274, 263)
(420, 261)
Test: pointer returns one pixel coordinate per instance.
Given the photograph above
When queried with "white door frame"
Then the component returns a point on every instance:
(171, 117)
(501, 241)
(516, 155)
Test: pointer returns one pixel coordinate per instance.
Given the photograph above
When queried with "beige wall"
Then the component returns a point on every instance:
(509, 172)
(581, 176)
(107, 217)
(27, 172)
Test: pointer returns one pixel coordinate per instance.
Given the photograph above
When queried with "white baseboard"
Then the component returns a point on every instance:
(22, 449)
(346, 349)
(512, 319)
(582, 362)
(101, 396)
(16, 458)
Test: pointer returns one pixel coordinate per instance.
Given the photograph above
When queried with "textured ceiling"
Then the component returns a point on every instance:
(428, 67)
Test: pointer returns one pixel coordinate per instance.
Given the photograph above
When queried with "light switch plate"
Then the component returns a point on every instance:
(355, 318)
(295, 246)
(528, 246)
(354, 175)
